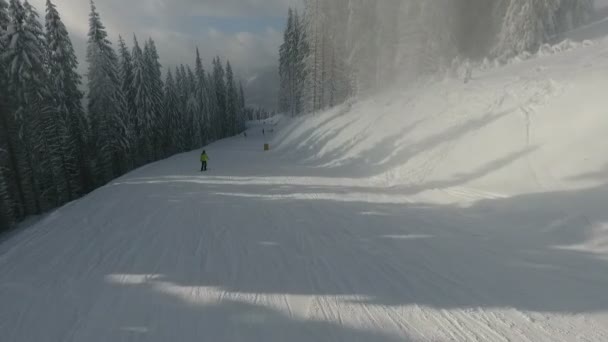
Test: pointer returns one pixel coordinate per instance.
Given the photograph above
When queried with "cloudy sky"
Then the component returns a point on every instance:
(248, 32)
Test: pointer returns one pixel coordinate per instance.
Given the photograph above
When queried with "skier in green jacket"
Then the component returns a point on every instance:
(204, 160)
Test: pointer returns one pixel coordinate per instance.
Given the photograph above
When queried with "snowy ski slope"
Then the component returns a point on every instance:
(450, 212)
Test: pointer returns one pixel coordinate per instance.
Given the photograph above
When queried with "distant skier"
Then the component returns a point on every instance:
(204, 160)
(263, 131)
(245, 134)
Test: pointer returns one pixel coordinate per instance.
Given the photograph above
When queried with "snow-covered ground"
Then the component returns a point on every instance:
(450, 212)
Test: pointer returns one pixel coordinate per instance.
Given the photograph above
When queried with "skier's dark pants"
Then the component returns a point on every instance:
(204, 166)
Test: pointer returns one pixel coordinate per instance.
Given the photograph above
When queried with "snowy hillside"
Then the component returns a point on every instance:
(534, 126)
(448, 212)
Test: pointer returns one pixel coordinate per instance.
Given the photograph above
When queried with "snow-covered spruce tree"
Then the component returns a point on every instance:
(314, 24)
(183, 95)
(220, 95)
(12, 186)
(212, 108)
(4, 18)
(241, 107)
(171, 104)
(155, 82)
(202, 97)
(337, 80)
(185, 91)
(7, 204)
(292, 64)
(126, 74)
(285, 69)
(192, 110)
(196, 108)
(528, 24)
(144, 105)
(109, 125)
(299, 56)
(71, 125)
(33, 25)
(241, 96)
(27, 85)
(7, 135)
(7, 216)
(47, 129)
(232, 99)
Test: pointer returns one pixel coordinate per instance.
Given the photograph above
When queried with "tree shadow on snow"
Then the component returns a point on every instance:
(390, 152)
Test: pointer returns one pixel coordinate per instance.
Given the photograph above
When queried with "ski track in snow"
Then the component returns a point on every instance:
(260, 249)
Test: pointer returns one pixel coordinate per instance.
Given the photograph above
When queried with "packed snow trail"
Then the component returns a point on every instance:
(252, 252)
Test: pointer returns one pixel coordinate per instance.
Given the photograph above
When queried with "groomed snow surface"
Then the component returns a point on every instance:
(450, 212)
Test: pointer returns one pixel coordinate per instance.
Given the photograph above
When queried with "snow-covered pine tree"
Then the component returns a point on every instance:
(241, 96)
(67, 103)
(12, 185)
(202, 97)
(198, 112)
(171, 102)
(109, 125)
(54, 167)
(324, 54)
(4, 18)
(285, 68)
(231, 102)
(34, 26)
(126, 73)
(192, 110)
(7, 216)
(183, 95)
(241, 109)
(220, 95)
(47, 129)
(27, 85)
(528, 24)
(300, 56)
(154, 74)
(144, 105)
(337, 77)
(7, 136)
(212, 108)
(313, 89)
(294, 59)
